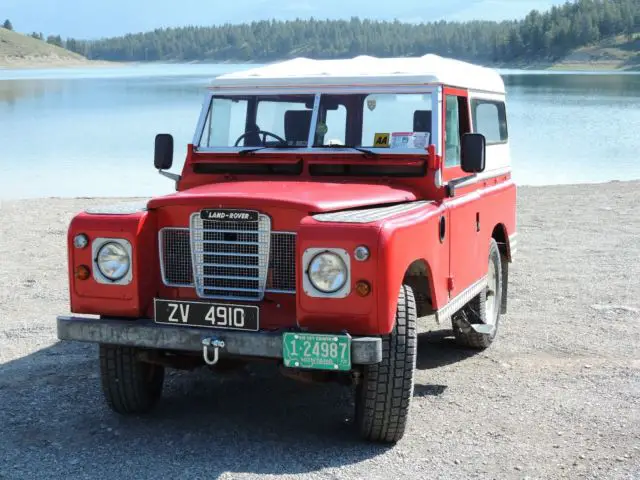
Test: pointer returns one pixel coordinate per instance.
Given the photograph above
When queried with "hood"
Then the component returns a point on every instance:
(313, 197)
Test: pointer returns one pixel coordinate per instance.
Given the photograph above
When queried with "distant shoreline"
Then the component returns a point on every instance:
(26, 63)
(52, 62)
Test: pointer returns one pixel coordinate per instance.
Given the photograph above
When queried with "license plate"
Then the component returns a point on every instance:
(211, 315)
(317, 351)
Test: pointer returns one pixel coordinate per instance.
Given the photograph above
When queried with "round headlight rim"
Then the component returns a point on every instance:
(344, 266)
(127, 253)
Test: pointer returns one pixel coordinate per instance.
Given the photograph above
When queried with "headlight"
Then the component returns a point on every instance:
(113, 261)
(327, 272)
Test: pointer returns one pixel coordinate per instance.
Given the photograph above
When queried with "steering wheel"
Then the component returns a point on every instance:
(264, 134)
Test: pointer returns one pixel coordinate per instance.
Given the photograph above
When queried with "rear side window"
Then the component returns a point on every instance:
(490, 119)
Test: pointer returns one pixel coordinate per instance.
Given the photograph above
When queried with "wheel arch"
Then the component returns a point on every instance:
(499, 234)
(419, 277)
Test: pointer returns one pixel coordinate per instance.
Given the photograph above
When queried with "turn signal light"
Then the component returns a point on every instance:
(363, 288)
(82, 272)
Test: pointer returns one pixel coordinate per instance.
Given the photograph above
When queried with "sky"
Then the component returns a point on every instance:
(95, 19)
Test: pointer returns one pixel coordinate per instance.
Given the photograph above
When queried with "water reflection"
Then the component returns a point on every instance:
(89, 132)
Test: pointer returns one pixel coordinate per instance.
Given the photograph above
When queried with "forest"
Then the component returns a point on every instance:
(548, 35)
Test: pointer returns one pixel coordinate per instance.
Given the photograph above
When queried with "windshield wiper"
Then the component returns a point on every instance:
(368, 153)
(257, 149)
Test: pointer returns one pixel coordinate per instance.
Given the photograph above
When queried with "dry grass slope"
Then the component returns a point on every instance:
(17, 50)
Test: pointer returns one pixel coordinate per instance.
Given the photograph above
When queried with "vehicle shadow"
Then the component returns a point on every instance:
(438, 349)
(254, 421)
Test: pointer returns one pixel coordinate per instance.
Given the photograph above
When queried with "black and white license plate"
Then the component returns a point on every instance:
(212, 315)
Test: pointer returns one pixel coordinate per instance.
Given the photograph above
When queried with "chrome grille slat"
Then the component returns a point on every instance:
(223, 242)
(227, 265)
(246, 232)
(212, 239)
(227, 254)
(230, 277)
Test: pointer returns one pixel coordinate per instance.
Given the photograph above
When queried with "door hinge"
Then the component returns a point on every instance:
(450, 284)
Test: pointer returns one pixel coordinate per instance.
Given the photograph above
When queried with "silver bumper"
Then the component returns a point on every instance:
(145, 333)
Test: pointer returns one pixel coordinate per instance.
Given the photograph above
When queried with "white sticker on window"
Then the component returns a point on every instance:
(410, 139)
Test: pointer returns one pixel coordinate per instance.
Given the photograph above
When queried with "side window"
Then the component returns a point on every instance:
(490, 119)
(456, 123)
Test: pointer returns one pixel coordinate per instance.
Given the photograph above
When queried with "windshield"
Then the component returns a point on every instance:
(392, 121)
(258, 121)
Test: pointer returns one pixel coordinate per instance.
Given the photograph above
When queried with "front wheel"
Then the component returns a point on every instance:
(384, 394)
(129, 385)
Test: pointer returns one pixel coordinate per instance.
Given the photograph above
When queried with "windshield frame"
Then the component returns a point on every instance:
(436, 103)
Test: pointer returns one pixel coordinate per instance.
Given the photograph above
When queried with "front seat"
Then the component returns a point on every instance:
(422, 121)
(296, 126)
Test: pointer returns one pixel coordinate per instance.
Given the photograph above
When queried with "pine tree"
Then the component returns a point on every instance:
(7, 24)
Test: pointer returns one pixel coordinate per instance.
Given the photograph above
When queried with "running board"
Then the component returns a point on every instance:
(460, 300)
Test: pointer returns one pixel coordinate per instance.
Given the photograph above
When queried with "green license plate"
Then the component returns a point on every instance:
(316, 351)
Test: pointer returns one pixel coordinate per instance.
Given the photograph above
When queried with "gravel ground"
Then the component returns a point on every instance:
(557, 396)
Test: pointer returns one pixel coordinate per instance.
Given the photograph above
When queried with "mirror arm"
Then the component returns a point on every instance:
(172, 176)
(452, 184)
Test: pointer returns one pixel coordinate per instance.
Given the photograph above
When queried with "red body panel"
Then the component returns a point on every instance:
(306, 195)
(453, 262)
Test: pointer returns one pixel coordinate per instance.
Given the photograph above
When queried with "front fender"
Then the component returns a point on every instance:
(403, 240)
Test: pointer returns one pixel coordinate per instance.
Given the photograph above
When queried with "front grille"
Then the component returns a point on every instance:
(282, 263)
(230, 259)
(175, 257)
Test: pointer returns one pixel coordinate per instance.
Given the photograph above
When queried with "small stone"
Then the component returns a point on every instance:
(619, 459)
(74, 461)
(581, 457)
(588, 366)
(518, 468)
(556, 446)
(456, 461)
(560, 433)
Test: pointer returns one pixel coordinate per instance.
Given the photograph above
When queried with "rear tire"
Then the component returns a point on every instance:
(129, 385)
(384, 394)
(483, 309)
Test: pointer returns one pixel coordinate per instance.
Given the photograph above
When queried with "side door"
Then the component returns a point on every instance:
(465, 259)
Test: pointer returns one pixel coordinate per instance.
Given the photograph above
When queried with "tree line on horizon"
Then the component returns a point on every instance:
(548, 35)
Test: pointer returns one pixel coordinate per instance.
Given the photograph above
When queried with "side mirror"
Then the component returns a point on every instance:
(474, 147)
(163, 154)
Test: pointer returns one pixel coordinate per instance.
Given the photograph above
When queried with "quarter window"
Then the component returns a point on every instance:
(490, 119)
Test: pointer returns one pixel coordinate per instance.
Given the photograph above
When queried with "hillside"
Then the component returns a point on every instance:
(19, 51)
(571, 32)
(615, 53)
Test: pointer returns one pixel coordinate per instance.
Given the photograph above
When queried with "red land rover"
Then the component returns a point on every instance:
(322, 208)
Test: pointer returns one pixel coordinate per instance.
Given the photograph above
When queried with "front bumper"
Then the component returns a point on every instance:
(147, 334)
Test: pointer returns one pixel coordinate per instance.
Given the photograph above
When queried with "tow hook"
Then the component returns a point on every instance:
(211, 343)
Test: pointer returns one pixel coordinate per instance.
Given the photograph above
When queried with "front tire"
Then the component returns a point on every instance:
(483, 309)
(129, 385)
(384, 394)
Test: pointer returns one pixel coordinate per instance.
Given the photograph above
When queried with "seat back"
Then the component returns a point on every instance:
(422, 121)
(296, 126)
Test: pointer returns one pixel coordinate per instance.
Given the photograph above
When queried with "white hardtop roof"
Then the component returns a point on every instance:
(364, 71)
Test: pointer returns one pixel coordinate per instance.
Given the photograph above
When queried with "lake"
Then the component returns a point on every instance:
(90, 132)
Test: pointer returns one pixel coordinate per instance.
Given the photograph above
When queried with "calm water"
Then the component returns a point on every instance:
(90, 132)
